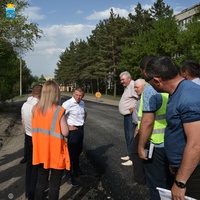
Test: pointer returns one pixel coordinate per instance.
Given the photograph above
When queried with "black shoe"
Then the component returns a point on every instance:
(24, 160)
(72, 182)
(79, 173)
(26, 195)
(142, 184)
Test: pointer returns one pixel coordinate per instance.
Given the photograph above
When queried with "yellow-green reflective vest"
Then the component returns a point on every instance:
(157, 136)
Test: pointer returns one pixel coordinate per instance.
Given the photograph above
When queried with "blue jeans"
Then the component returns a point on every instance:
(129, 129)
(54, 183)
(157, 173)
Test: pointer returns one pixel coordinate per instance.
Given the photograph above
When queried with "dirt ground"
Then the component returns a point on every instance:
(12, 173)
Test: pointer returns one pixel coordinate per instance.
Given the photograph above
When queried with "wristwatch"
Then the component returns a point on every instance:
(180, 184)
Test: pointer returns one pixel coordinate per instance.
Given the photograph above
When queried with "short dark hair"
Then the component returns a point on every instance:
(192, 67)
(79, 89)
(161, 66)
(144, 61)
(37, 89)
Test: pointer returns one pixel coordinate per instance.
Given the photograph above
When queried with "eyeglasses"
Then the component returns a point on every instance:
(148, 79)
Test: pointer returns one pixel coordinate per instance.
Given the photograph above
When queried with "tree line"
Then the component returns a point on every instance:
(118, 44)
(115, 45)
(17, 36)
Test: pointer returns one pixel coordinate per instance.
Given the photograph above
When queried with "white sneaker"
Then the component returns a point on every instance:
(125, 158)
(127, 163)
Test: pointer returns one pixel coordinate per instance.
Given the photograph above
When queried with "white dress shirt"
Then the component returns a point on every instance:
(196, 80)
(26, 114)
(74, 112)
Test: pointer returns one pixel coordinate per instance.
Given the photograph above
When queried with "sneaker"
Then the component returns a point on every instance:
(125, 158)
(127, 163)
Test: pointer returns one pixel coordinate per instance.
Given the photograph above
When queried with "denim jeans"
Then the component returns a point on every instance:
(31, 170)
(157, 173)
(129, 129)
(54, 183)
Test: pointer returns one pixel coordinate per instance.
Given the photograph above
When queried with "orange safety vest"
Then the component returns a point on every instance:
(49, 145)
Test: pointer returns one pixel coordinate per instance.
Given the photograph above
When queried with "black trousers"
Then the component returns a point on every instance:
(25, 147)
(138, 168)
(54, 183)
(75, 145)
(31, 170)
(193, 184)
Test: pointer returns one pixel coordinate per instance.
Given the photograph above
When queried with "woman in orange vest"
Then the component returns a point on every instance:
(50, 151)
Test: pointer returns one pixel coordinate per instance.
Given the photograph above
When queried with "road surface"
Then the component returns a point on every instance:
(104, 144)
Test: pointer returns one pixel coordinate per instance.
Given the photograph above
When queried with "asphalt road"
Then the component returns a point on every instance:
(104, 144)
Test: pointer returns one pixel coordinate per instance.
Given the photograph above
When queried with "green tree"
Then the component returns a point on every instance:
(159, 9)
(132, 53)
(89, 64)
(161, 39)
(158, 38)
(106, 41)
(189, 41)
(141, 21)
(8, 72)
(66, 71)
(19, 33)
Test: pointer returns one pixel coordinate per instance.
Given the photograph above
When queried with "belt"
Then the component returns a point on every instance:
(74, 128)
(127, 115)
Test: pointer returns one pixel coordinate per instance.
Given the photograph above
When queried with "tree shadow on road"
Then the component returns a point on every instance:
(12, 175)
(90, 184)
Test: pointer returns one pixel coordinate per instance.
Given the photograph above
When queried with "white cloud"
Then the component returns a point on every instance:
(48, 49)
(145, 7)
(33, 13)
(79, 12)
(106, 14)
(178, 9)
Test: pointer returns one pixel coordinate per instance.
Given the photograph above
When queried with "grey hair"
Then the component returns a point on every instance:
(141, 81)
(126, 73)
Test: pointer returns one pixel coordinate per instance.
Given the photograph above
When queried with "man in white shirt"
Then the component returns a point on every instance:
(26, 114)
(75, 115)
(126, 106)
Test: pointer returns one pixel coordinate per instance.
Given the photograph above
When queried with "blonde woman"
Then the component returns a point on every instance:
(50, 150)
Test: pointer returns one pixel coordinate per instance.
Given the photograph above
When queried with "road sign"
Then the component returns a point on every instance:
(98, 95)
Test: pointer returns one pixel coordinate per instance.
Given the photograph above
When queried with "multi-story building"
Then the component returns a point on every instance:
(186, 15)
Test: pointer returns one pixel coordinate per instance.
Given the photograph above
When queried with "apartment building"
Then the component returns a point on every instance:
(186, 15)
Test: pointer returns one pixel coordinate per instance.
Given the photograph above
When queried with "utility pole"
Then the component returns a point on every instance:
(20, 76)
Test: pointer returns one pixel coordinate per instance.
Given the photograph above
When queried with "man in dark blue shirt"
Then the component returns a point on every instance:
(182, 143)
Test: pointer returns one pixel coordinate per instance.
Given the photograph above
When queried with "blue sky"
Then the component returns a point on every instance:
(65, 20)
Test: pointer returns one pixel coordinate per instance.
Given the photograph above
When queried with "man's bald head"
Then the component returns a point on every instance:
(139, 86)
